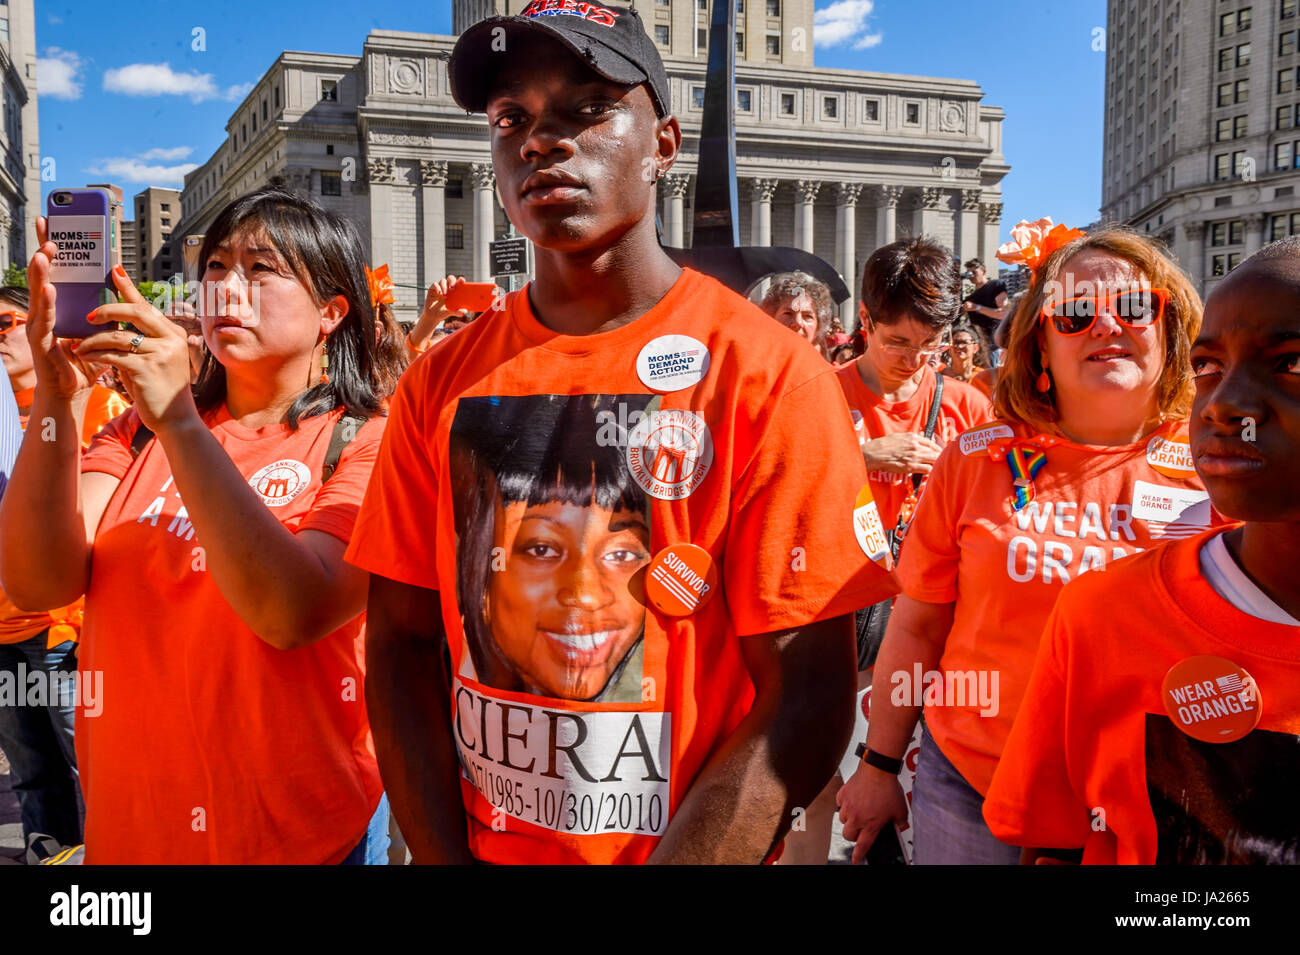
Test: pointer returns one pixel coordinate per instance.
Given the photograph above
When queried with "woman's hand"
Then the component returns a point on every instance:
(152, 362)
(435, 311)
(904, 453)
(59, 370)
(868, 802)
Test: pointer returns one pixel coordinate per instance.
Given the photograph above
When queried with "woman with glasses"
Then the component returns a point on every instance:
(1086, 463)
(967, 355)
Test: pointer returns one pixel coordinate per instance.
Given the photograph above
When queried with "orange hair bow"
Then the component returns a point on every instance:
(1032, 242)
(381, 286)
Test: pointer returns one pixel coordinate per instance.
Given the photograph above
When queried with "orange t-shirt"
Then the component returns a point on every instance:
(985, 381)
(212, 746)
(582, 716)
(960, 408)
(16, 625)
(1004, 568)
(1095, 761)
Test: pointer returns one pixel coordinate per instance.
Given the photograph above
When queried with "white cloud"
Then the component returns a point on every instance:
(172, 154)
(138, 168)
(159, 79)
(55, 20)
(238, 91)
(58, 74)
(844, 21)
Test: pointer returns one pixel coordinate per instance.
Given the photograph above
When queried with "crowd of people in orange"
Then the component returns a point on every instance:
(600, 574)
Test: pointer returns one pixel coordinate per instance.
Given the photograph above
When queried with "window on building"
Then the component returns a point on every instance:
(1282, 156)
(1286, 43)
(1243, 54)
(1224, 97)
(740, 43)
(1238, 127)
(1227, 24)
(1222, 167)
(1238, 157)
(264, 110)
(873, 111)
(329, 149)
(773, 44)
(455, 235)
(702, 4)
(661, 3)
(744, 101)
(773, 8)
(1288, 9)
(912, 114)
(1218, 234)
(1285, 80)
(1241, 89)
(701, 38)
(1277, 228)
(1284, 117)
(1236, 232)
(165, 206)
(331, 183)
(329, 91)
(740, 6)
(1222, 130)
(830, 107)
(1244, 18)
(166, 221)
(1225, 58)
(787, 104)
(277, 97)
(697, 96)
(455, 189)
(661, 34)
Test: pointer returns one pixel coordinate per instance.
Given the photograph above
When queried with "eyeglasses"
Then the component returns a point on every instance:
(1135, 308)
(11, 320)
(963, 344)
(907, 351)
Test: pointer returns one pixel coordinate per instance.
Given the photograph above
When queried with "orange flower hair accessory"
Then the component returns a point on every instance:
(1032, 242)
(381, 286)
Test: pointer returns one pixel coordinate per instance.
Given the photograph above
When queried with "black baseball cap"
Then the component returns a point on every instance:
(610, 39)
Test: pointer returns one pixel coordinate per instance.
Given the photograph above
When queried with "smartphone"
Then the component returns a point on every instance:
(888, 847)
(80, 223)
(473, 296)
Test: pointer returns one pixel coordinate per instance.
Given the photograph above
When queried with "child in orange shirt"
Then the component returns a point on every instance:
(1170, 736)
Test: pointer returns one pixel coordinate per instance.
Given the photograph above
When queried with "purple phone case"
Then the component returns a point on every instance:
(74, 299)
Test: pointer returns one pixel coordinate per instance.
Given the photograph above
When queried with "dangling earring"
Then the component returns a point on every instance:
(1043, 383)
(324, 367)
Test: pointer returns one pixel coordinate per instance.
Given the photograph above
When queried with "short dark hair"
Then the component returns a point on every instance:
(912, 278)
(325, 253)
(16, 295)
(973, 264)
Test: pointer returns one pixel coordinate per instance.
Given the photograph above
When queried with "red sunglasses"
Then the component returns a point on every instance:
(1136, 308)
(11, 319)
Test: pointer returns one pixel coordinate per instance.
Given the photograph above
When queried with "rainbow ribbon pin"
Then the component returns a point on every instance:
(1023, 471)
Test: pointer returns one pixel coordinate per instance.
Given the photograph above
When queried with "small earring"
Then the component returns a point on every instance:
(324, 368)
(1043, 384)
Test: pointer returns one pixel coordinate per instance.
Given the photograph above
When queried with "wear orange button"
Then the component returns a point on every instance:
(1211, 699)
(681, 579)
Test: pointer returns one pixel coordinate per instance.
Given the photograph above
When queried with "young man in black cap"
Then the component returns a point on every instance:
(609, 616)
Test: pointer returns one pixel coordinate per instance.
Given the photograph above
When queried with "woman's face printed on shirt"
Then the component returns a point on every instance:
(567, 604)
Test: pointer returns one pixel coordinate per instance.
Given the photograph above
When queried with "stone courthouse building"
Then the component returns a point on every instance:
(835, 161)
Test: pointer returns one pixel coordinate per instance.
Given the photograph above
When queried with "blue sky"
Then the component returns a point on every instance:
(101, 66)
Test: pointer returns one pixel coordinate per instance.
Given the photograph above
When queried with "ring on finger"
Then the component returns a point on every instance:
(135, 343)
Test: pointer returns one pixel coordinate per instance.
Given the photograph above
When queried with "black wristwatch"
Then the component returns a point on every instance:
(872, 758)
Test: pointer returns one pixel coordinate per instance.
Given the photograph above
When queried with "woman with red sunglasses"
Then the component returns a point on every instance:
(1086, 463)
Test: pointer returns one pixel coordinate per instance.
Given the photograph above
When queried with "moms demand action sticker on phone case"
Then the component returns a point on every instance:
(82, 249)
(669, 453)
(280, 482)
(672, 362)
(868, 529)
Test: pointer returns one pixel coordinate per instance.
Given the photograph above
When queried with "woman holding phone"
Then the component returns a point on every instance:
(219, 611)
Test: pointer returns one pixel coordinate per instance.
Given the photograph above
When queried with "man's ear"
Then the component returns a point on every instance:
(863, 314)
(332, 314)
(668, 141)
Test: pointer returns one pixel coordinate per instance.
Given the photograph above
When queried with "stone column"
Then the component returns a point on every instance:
(805, 191)
(846, 228)
(761, 192)
(675, 187)
(5, 224)
(484, 184)
(927, 206)
(887, 199)
(991, 214)
(1193, 259)
(1255, 232)
(433, 219)
(381, 173)
(967, 240)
